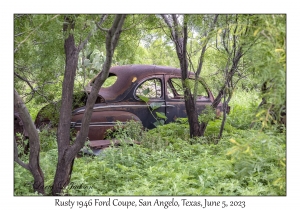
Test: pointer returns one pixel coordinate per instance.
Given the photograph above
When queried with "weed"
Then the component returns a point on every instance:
(167, 162)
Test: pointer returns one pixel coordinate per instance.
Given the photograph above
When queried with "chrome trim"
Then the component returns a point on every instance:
(120, 106)
(116, 106)
(98, 124)
(95, 123)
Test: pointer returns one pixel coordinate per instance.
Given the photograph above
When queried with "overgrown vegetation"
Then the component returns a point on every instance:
(246, 161)
(242, 58)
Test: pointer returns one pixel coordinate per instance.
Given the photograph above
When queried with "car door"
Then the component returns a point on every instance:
(150, 89)
(175, 105)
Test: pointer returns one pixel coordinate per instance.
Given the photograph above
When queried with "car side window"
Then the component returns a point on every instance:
(175, 89)
(151, 88)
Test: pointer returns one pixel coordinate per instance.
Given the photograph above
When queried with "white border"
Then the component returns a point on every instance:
(8, 8)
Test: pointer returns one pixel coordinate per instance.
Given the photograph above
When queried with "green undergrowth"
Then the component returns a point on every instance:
(246, 161)
(243, 163)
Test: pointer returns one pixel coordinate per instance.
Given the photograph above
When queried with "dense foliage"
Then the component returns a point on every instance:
(246, 161)
(249, 159)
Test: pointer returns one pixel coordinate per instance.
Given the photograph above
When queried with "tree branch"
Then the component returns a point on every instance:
(126, 29)
(178, 35)
(82, 45)
(169, 24)
(19, 45)
(112, 38)
(201, 58)
(34, 145)
(25, 80)
(103, 18)
(33, 90)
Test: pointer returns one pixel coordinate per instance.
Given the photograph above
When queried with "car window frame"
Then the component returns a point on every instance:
(159, 77)
(181, 97)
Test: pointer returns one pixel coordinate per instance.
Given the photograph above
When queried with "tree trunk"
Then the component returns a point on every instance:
(63, 175)
(67, 152)
(64, 164)
(222, 93)
(112, 37)
(180, 40)
(225, 106)
(34, 146)
(192, 115)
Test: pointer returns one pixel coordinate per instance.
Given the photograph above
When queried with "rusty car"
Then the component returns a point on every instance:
(125, 100)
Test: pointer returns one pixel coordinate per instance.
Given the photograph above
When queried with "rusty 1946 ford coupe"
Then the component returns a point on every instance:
(122, 101)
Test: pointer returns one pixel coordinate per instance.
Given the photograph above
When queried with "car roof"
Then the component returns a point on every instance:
(128, 74)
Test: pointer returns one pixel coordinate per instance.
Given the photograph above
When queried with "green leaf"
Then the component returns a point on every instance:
(144, 98)
(256, 32)
(159, 122)
(146, 91)
(162, 122)
(156, 105)
(156, 124)
(86, 62)
(161, 115)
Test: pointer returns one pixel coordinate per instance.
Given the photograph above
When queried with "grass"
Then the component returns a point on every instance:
(247, 161)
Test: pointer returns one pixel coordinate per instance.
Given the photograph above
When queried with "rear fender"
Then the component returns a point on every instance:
(102, 121)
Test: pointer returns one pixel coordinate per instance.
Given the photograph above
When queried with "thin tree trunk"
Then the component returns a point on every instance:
(34, 146)
(225, 105)
(68, 152)
(222, 93)
(180, 40)
(192, 114)
(64, 167)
